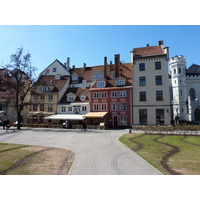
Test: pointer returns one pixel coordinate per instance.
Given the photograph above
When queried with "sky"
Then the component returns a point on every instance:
(91, 43)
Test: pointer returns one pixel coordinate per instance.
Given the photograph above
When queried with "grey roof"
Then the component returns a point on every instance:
(193, 70)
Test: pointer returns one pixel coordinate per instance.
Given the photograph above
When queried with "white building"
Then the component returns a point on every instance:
(185, 90)
(151, 87)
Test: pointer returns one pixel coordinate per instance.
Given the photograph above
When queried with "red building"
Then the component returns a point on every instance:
(111, 94)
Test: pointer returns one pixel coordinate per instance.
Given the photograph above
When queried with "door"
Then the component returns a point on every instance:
(115, 121)
(197, 114)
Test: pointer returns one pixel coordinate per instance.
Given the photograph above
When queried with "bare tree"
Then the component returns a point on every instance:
(19, 81)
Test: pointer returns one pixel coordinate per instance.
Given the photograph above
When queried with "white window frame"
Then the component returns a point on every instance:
(114, 94)
(63, 109)
(50, 107)
(121, 106)
(96, 107)
(70, 108)
(123, 120)
(119, 82)
(114, 106)
(122, 93)
(84, 108)
(96, 95)
(104, 106)
(104, 95)
(50, 97)
(101, 84)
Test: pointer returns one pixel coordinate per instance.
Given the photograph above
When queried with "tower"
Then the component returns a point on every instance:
(179, 90)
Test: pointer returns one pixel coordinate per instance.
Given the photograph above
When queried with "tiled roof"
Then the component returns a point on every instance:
(193, 70)
(78, 92)
(150, 50)
(58, 84)
(86, 73)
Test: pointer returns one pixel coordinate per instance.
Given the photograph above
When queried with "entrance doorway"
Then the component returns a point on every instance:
(115, 121)
(160, 116)
(197, 114)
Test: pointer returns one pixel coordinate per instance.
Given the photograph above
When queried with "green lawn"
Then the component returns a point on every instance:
(153, 148)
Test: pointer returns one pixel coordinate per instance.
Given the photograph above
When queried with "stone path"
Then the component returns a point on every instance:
(98, 152)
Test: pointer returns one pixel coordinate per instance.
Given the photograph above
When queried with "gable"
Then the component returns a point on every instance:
(56, 68)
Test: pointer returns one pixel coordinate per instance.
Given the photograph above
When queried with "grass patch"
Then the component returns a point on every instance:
(186, 161)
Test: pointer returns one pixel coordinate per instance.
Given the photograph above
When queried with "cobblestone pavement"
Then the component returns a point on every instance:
(98, 152)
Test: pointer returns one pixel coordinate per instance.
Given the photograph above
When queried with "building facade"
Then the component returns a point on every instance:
(151, 87)
(185, 90)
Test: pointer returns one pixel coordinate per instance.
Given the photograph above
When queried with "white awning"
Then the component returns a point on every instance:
(64, 117)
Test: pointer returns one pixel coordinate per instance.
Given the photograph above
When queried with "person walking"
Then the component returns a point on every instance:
(4, 123)
(84, 126)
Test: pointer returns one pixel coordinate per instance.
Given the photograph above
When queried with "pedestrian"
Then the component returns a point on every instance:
(4, 123)
(7, 124)
(84, 126)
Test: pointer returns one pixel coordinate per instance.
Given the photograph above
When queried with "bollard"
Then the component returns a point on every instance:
(130, 130)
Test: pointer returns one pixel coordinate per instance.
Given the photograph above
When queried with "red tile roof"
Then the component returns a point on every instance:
(150, 50)
(78, 92)
(58, 84)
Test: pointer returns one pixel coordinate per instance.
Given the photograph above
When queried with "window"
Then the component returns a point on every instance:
(174, 71)
(143, 116)
(114, 106)
(104, 94)
(123, 94)
(192, 93)
(96, 95)
(114, 94)
(159, 96)
(123, 120)
(122, 106)
(63, 109)
(41, 107)
(42, 97)
(35, 107)
(84, 108)
(49, 88)
(179, 70)
(44, 89)
(40, 89)
(35, 97)
(103, 106)
(142, 81)
(160, 116)
(101, 84)
(157, 65)
(83, 97)
(96, 107)
(70, 98)
(50, 96)
(158, 80)
(113, 75)
(74, 78)
(95, 77)
(69, 109)
(142, 66)
(54, 69)
(142, 96)
(120, 82)
(50, 107)
(98, 76)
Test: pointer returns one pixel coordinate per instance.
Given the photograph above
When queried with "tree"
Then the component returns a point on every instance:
(19, 81)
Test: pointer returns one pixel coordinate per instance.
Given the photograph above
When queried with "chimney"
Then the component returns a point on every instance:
(73, 66)
(84, 65)
(117, 64)
(160, 43)
(147, 45)
(83, 84)
(105, 67)
(68, 63)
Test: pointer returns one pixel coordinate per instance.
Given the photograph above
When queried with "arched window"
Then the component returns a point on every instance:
(192, 93)
(174, 71)
(179, 70)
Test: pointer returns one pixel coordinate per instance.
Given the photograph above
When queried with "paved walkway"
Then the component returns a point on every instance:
(98, 152)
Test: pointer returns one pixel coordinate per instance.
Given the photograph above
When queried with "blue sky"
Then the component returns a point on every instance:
(91, 43)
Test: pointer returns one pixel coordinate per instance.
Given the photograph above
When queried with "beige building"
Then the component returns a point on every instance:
(151, 88)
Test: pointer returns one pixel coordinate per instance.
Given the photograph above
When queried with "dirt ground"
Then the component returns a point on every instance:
(36, 160)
